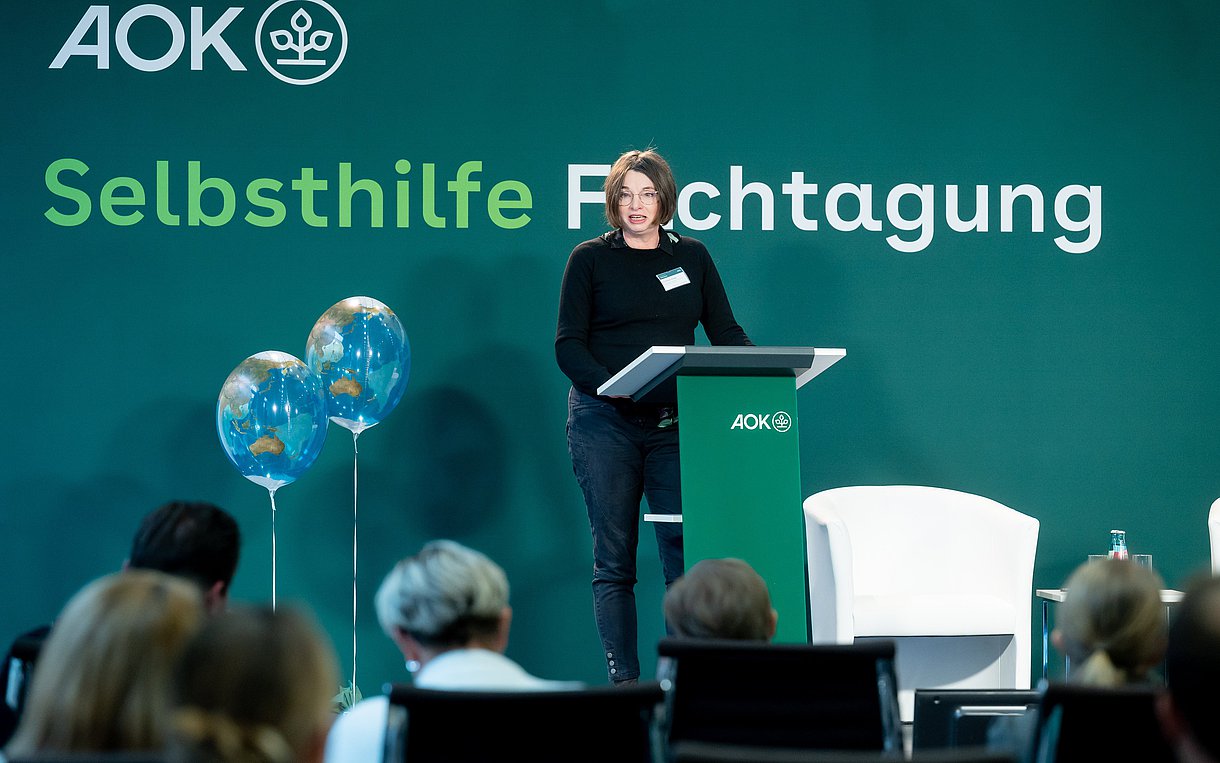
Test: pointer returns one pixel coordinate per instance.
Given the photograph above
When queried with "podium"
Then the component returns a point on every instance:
(740, 458)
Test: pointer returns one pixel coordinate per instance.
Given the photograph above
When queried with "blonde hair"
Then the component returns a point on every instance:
(654, 166)
(254, 686)
(103, 678)
(720, 598)
(1112, 622)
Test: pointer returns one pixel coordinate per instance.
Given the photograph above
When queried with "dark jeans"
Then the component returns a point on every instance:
(618, 460)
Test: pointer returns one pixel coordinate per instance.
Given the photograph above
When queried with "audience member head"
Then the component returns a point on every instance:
(1112, 624)
(720, 598)
(103, 678)
(1192, 665)
(191, 539)
(445, 597)
(254, 686)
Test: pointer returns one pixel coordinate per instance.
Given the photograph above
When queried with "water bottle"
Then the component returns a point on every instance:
(1118, 544)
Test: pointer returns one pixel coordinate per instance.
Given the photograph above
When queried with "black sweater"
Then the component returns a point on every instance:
(613, 306)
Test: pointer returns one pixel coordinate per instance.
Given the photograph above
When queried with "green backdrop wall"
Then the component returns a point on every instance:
(1066, 366)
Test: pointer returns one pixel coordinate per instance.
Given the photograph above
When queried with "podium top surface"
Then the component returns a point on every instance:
(658, 363)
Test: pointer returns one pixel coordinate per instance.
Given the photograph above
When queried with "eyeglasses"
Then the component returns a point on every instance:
(647, 198)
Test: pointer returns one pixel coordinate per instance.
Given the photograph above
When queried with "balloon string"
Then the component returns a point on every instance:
(272, 494)
(355, 496)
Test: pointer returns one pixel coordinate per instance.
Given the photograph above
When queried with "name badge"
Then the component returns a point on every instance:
(673, 279)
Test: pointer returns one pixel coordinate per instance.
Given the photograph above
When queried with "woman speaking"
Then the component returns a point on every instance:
(625, 291)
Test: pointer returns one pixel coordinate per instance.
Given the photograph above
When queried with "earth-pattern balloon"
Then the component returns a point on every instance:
(360, 350)
(271, 418)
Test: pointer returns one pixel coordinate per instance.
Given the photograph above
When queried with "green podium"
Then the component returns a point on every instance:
(740, 458)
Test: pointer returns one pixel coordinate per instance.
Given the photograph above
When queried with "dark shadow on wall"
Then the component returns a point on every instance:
(56, 536)
(172, 443)
(459, 470)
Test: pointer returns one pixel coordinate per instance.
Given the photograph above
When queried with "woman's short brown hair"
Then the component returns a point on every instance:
(720, 599)
(652, 164)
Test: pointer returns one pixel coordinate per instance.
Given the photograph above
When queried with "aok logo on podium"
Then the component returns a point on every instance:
(297, 41)
(778, 421)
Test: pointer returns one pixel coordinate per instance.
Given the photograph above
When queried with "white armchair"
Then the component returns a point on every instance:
(1213, 531)
(946, 575)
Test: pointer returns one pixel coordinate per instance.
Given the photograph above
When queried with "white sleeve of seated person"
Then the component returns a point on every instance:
(358, 736)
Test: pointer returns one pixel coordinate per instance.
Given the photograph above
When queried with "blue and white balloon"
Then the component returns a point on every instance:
(360, 350)
(271, 418)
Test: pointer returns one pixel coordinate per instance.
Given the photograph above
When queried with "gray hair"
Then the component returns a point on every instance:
(720, 599)
(445, 595)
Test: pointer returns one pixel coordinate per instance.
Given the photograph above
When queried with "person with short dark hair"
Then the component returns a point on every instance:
(629, 289)
(1189, 710)
(193, 540)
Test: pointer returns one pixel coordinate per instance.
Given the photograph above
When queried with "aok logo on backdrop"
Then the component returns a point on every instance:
(297, 41)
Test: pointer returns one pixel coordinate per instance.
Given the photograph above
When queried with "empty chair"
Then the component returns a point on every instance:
(1088, 723)
(1213, 531)
(591, 725)
(830, 697)
(946, 575)
(962, 717)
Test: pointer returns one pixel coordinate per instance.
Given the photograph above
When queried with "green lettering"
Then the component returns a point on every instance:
(83, 205)
(275, 206)
(163, 214)
(496, 202)
(347, 189)
(462, 186)
(195, 188)
(430, 217)
(306, 184)
(110, 199)
(402, 209)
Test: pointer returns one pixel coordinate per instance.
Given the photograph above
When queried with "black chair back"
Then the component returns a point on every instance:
(592, 725)
(15, 677)
(90, 757)
(828, 697)
(1085, 723)
(701, 752)
(963, 717)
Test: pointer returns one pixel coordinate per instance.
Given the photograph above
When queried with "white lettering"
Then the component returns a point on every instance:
(798, 189)
(953, 210)
(738, 193)
(701, 206)
(1091, 222)
(1009, 196)
(177, 38)
(202, 40)
(864, 195)
(752, 421)
(96, 15)
(687, 217)
(578, 196)
(923, 222)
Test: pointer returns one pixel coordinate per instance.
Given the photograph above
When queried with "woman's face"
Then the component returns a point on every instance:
(638, 218)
